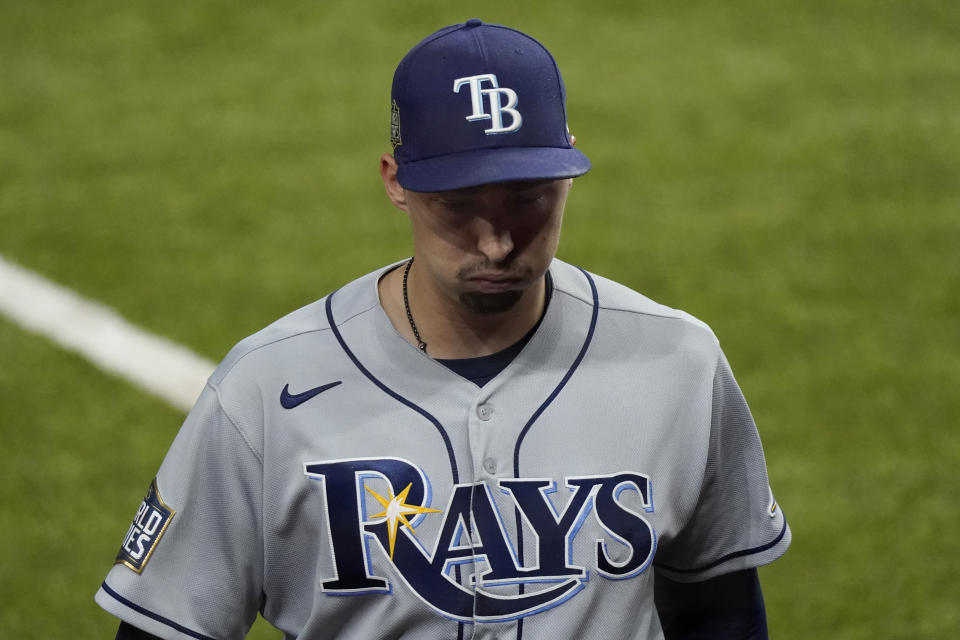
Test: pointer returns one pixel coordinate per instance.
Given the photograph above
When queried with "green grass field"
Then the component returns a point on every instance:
(788, 172)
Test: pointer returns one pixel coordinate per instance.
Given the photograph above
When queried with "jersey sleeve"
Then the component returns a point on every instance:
(190, 564)
(736, 523)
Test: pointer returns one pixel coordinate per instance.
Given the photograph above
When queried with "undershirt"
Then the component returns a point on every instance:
(483, 369)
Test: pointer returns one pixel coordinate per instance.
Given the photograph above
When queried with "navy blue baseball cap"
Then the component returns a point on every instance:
(478, 103)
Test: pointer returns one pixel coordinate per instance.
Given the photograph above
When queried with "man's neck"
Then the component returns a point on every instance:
(449, 328)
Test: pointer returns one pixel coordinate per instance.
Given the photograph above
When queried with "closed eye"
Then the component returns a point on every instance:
(528, 199)
(455, 205)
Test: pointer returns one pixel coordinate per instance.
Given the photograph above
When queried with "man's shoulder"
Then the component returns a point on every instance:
(614, 297)
(290, 334)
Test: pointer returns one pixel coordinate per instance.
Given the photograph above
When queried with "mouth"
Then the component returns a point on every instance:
(494, 283)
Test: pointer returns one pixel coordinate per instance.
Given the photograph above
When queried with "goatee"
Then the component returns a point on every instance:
(490, 303)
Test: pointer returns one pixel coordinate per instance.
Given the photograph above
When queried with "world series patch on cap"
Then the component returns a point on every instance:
(152, 519)
(478, 103)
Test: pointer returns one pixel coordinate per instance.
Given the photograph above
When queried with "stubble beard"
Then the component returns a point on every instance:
(490, 303)
(483, 303)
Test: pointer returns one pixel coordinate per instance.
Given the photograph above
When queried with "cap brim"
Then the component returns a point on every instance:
(491, 166)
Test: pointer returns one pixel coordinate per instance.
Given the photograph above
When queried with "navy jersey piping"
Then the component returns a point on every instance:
(390, 392)
(566, 377)
(396, 396)
(542, 408)
(731, 556)
(150, 614)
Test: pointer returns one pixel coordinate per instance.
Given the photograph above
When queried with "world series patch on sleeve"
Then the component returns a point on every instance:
(145, 531)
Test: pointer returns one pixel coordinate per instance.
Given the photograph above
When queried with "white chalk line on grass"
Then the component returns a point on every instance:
(155, 364)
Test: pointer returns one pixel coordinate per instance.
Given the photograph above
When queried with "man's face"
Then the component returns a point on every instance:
(486, 246)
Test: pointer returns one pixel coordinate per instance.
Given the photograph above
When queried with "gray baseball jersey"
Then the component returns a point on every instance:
(348, 486)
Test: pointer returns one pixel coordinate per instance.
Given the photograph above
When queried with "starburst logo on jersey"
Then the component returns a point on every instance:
(396, 510)
(475, 565)
(145, 532)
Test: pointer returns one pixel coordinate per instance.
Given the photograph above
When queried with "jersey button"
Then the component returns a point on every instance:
(485, 411)
(490, 466)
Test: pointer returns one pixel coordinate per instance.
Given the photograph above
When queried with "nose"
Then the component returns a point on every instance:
(494, 239)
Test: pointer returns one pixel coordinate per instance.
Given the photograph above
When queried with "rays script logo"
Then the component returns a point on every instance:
(473, 532)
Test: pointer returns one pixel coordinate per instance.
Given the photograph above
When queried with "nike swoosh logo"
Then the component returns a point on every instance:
(291, 401)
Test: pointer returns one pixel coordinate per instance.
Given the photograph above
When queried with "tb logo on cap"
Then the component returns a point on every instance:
(497, 108)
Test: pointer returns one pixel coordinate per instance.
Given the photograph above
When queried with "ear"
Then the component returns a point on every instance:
(388, 172)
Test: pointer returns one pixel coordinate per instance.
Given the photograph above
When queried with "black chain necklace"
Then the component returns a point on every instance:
(406, 305)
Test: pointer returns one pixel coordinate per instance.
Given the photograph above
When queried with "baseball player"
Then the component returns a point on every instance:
(480, 441)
